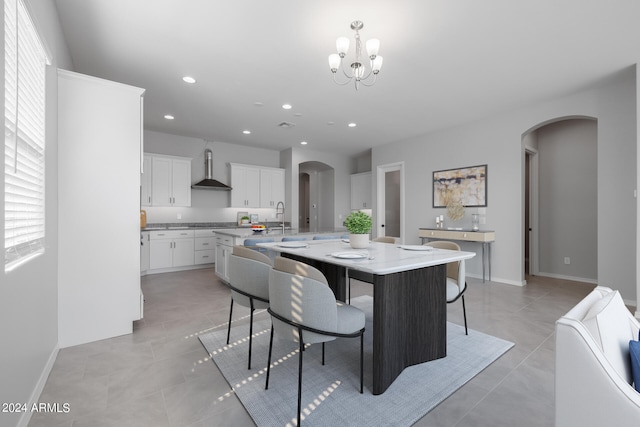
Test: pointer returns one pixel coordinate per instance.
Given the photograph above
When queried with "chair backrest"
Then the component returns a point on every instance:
(253, 242)
(385, 239)
(456, 269)
(249, 272)
(293, 238)
(299, 292)
(324, 237)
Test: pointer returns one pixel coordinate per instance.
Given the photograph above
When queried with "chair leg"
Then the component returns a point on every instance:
(229, 327)
(266, 386)
(361, 360)
(464, 313)
(300, 380)
(322, 354)
(250, 333)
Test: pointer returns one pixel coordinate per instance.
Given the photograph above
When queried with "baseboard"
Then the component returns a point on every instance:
(499, 280)
(37, 391)
(572, 278)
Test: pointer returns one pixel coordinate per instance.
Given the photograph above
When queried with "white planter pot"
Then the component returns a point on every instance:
(359, 241)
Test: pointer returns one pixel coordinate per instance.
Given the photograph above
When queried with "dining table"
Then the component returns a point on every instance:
(409, 295)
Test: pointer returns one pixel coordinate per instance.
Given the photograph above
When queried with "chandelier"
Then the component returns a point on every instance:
(359, 73)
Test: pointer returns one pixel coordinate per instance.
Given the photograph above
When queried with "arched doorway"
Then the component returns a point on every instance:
(316, 183)
(560, 199)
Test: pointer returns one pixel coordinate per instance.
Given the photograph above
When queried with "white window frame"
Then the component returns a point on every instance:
(24, 151)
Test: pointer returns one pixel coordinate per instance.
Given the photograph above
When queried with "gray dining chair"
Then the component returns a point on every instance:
(294, 239)
(304, 310)
(456, 277)
(252, 243)
(324, 237)
(249, 283)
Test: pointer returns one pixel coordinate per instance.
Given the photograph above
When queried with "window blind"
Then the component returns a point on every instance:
(24, 129)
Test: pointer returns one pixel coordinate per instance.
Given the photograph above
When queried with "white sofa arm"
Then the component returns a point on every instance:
(589, 391)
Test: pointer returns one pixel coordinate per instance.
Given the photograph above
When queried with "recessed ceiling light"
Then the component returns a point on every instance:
(286, 106)
(169, 117)
(352, 125)
(188, 79)
(303, 142)
(246, 132)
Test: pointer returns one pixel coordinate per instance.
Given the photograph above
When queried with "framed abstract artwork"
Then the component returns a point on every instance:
(467, 186)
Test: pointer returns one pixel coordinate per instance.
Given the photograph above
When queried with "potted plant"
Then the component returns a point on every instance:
(359, 225)
(244, 220)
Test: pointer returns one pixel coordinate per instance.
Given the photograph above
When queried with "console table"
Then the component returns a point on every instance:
(485, 237)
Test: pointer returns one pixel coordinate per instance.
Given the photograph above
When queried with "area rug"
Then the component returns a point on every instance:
(330, 393)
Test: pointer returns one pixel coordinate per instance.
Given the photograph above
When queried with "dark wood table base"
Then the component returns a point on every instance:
(409, 316)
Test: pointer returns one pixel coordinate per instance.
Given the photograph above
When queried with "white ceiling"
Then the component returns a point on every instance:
(446, 62)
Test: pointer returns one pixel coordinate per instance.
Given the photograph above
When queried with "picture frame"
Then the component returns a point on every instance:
(466, 185)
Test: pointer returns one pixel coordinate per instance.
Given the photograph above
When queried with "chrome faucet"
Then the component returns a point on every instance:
(280, 213)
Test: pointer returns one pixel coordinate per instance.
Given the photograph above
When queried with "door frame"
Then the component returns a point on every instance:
(381, 170)
(534, 267)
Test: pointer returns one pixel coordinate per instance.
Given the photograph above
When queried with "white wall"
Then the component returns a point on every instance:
(568, 199)
(496, 141)
(206, 205)
(28, 295)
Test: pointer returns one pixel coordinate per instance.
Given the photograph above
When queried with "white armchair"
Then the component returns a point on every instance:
(593, 371)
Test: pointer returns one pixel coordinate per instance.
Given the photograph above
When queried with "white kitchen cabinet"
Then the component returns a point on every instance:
(361, 191)
(205, 247)
(144, 251)
(100, 134)
(171, 248)
(271, 187)
(245, 181)
(224, 248)
(170, 181)
(145, 181)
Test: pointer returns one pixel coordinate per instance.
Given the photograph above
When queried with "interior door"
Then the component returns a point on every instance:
(390, 200)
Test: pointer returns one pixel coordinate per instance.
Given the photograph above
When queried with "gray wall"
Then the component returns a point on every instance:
(568, 199)
(497, 142)
(28, 295)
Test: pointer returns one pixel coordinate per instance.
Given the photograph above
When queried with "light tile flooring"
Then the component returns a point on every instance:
(160, 376)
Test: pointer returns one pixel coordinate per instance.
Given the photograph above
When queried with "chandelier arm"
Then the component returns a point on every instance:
(335, 80)
(375, 76)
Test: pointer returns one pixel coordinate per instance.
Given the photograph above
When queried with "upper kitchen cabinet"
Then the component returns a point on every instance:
(145, 181)
(245, 181)
(361, 191)
(99, 126)
(170, 181)
(271, 187)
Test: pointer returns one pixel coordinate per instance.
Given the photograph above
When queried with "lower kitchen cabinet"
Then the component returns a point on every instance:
(205, 247)
(224, 248)
(171, 248)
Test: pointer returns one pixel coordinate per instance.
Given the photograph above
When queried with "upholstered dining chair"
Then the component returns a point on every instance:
(456, 277)
(251, 243)
(324, 237)
(385, 239)
(303, 309)
(294, 238)
(382, 239)
(249, 283)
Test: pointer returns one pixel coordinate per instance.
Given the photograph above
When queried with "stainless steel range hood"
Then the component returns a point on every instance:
(208, 183)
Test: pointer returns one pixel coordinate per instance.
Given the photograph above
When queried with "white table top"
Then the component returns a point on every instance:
(377, 258)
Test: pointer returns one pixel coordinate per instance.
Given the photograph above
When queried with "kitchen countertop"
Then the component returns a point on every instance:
(277, 231)
(197, 225)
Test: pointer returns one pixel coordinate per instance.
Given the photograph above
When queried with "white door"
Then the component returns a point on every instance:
(390, 203)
